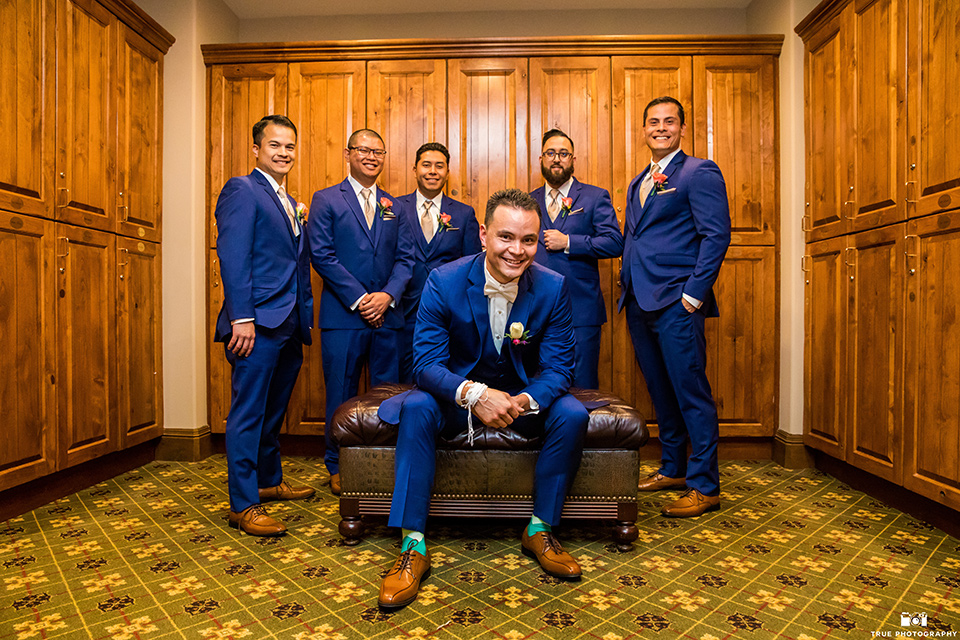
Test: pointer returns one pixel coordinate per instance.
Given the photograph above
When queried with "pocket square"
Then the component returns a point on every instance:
(666, 191)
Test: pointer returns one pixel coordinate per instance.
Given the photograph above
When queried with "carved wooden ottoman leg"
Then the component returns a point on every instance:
(625, 530)
(351, 524)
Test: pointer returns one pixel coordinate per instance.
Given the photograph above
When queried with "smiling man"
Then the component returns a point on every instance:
(265, 321)
(494, 345)
(361, 248)
(579, 229)
(448, 230)
(677, 231)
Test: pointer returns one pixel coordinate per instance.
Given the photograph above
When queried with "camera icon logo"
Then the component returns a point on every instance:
(913, 619)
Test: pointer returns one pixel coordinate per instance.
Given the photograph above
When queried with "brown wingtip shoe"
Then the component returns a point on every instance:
(284, 491)
(335, 484)
(254, 521)
(550, 554)
(401, 584)
(691, 504)
(657, 482)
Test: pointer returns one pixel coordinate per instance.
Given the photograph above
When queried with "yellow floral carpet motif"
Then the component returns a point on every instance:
(791, 554)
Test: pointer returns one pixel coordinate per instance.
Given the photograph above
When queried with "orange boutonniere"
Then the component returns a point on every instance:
(659, 181)
(302, 214)
(444, 222)
(565, 205)
(385, 207)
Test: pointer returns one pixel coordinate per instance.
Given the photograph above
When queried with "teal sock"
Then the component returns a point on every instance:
(536, 526)
(413, 540)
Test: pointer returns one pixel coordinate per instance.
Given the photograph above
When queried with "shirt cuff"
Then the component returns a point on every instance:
(534, 407)
(456, 398)
(693, 301)
(356, 304)
(241, 321)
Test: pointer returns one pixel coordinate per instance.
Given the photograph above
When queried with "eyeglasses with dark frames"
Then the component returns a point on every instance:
(363, 152)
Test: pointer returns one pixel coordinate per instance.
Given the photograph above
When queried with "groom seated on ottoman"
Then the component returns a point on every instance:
(494, 343)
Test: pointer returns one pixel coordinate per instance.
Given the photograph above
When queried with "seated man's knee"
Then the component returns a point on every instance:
(420, 410)
(574, 415)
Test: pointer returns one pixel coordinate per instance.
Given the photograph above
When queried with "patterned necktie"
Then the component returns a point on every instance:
(647, 183)
(289, 209)
(367, 207)
(426, 220)
(554, 207)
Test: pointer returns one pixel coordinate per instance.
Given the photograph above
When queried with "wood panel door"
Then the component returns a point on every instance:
(931, 447)
(933, 47)
(140, 137)
(239, 95)
(877, 160)
(140, 341)
(86, 114)
(27, 98)
(735, 110)
(487, 127)
(573, 94)
(742, 344)
(875, 351)
(218, 369)
(28, 448)
(327, 101)
(825, 346)
(828, 128)
(407, 105)
(637, 80)
(86, 344)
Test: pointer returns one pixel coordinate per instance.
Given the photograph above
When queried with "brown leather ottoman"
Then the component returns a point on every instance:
(494, 478)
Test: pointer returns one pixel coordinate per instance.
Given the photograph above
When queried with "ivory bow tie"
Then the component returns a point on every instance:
(508, 291)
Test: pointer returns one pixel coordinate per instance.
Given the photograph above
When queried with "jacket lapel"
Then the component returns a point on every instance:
(652, 196)
(275, 199)
(411, 203)
(478, 301)
(520, 313)
(353, 203)
(573, 195)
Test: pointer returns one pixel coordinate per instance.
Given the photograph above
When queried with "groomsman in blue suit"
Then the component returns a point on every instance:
(677, 232)
(495, 345)
(579, 229)
(362, 249)
(265, 321)
(448, 229)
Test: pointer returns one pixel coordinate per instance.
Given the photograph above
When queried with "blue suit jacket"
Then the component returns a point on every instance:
(445, 246)
(354, 260)
(594, 233)
(676, 242)
(453, 321)
(265, 269)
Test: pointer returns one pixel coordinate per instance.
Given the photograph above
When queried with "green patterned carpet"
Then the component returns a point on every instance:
(792, 554)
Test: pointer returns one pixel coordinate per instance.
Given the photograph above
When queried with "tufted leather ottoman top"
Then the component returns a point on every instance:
(614, 425)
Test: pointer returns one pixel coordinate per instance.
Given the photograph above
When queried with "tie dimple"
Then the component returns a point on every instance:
(426, 220)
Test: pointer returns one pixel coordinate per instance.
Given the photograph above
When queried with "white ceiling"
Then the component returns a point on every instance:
(253, 9)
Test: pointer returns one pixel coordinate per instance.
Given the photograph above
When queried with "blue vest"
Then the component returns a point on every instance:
(496, 369)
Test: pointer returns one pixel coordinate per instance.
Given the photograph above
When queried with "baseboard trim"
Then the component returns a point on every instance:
(36, 493)
(920, 507)
(185, 445)
(728, 449)
(790, 452)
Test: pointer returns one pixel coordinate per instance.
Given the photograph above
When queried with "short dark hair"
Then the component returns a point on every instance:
(280, 121)
(553, 133)
(512, 198)
(663, 100)
(432, 146)
(351, 141)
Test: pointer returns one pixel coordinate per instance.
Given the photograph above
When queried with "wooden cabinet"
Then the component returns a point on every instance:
(881, 125)
(491, 112)
(28, 448)
(27, 96)
(931, 419)
(82, 94)
(218, 369)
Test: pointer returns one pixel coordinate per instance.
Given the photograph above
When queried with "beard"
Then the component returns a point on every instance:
(553, 179)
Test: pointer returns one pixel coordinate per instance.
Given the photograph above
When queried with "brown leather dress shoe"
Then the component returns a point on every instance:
(283, 491)
(691, 504)
(254, 521)
(657, 482)
(402, 582)
(552, 558)
(335, 484)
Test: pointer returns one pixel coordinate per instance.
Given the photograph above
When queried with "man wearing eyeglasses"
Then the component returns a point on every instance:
(578, 227)
(362, 249)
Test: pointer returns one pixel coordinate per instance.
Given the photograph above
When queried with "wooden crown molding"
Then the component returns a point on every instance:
(135, 18)
(490, 48)
(826, 10)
